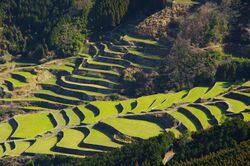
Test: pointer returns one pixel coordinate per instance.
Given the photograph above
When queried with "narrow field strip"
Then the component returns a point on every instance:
(145, 41)
(216, 112)
(7, 129)
(20, 147)
(200, 115)
(143, 130)
(96, 137)
(31, 125)
(194, 94)
(218, 88)
(184, 120)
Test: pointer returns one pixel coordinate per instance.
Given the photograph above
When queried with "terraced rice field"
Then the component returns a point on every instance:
(218, 88)
(194, 94)
(64, 117)
(140, 40)
(186, 2)
(100, 126)
(86, 77)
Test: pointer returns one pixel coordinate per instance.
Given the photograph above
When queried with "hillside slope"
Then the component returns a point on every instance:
(104, 125)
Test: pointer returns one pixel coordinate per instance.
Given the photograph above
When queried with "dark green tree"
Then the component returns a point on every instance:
(67, 38)
(107, 14)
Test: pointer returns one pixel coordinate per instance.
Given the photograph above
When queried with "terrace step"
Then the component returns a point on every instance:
(37, 102)
(69, 142)
(115, 35)
(186, 123)
(242, 96)
(73, 117)
(211, 118)
(89, 87)
(33, 108)
(7, 129)
(158, 52)
(108, 72)
(216, 89)
(138, 41)
(81, 95)
(141, 53)
(120, 49)
(22, 76)
(62, 69)
(192, 116)
(92, 80)
(234, 105)
(50, 105)
(52, 96)
(215, 111)
(111, 60)
(13, 83)
(93, 50)
(110, 75)
(103, 66)
(108, 51)
(103, 50)
(107, 64)
(103, 141)
(194, 94)
(142, 61)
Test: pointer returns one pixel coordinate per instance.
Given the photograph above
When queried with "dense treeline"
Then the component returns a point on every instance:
(238, 155)
(184, 66)
(214, 143)
(36, 17)
(239, 36)
(145, 7)
(108, 14)
(45, 28)
(137, 83)
(228, 135)
(236, 70)
(30, 26)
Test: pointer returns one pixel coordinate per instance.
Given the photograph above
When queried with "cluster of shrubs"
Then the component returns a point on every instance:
(200, 53)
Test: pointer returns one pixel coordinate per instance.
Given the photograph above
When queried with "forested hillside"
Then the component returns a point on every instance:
(39, 29)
